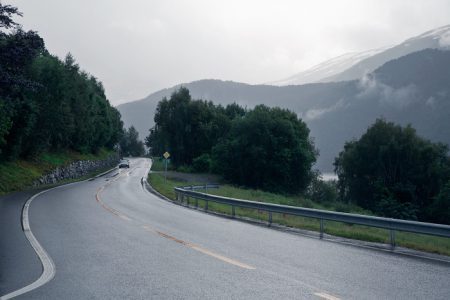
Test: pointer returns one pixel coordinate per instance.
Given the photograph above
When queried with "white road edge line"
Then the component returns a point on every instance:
(48, 266)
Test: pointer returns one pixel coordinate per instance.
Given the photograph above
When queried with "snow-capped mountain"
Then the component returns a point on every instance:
(354, 65)
(328, 68)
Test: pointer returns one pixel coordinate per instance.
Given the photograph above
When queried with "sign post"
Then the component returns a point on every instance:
(166, 157)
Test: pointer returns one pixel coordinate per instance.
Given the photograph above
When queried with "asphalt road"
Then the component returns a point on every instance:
(111, 239)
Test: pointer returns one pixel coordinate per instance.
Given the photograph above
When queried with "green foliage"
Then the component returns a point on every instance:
(188, 128)
(321, 191)
(47, 104)
(20, 174)
(393, 172)
(202, 163)
(130, 145)
(439, 210)
(268, 148)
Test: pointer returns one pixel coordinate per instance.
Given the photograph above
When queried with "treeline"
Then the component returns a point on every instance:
(130, 144)
(390, 170)
(395, 173)
(47, 104)
(267, 148)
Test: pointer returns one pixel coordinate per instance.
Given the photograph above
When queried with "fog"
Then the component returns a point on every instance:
(139, 46)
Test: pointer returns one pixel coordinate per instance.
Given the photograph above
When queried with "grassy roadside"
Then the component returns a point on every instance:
(404, 239)
(20, 174)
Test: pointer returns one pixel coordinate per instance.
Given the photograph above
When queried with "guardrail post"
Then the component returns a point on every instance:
(187, 201)
(270, 218)
(321, 228)
(392, 236)
(233, 212)
(182, 198)
(206, 205)
(206, 188)
(196, 203)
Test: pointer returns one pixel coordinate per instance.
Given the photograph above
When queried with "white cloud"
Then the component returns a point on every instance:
(317, 113)
(444, 41)
(370, 88)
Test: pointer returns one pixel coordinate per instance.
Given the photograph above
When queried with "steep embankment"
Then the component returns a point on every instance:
(52, 168)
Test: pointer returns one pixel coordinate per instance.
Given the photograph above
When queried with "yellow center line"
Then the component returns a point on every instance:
(326, 296)
(162, 234)
(201, 249)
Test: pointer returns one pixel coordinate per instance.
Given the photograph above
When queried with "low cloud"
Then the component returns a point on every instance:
(444, 41)
(317, 113)
(371, 88)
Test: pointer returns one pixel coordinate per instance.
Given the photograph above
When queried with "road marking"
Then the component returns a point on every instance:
(111, 210)
(327, 296)
(48, 266)
(201, 249)
(162, 234)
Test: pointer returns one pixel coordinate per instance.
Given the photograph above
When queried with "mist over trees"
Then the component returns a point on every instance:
(395, 173)
(266, 148)
(47, 104)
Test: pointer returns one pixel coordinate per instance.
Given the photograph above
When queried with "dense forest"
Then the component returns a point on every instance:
(266, 148)
(47, 104)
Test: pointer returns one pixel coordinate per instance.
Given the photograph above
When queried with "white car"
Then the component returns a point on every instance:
(124, 164)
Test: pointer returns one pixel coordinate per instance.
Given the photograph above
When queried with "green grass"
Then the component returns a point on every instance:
(158, 165)
(20, 174)
(410, 240)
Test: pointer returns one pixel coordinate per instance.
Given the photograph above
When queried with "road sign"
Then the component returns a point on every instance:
(166, 155)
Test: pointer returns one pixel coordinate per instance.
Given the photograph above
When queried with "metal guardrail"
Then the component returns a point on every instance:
(386, 223)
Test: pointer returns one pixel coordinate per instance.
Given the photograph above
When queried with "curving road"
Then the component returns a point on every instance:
(111, 239)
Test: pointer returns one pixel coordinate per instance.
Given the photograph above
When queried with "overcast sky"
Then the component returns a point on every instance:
(136, 47)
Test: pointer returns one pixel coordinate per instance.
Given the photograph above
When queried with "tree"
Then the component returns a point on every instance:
(267, 148)
(392, 171)
(186, 128)
(130, 144)
(47, 104)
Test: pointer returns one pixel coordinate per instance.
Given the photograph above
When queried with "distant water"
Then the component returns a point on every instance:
(329, 176)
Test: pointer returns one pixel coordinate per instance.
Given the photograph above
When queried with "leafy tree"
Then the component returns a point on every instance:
(392, 171)
(47, 104)
(186, 128)
(267, 148)
(130, 144)
(6, 14)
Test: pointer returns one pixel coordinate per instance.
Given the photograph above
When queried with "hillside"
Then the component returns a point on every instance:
(353, 66)
(412, 89)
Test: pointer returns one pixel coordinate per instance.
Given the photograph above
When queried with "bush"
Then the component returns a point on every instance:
(202, 163)
(322, 191)
(439, 211)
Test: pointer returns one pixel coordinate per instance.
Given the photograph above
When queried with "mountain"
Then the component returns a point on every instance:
(354, 65)
(413, 89)
(328, 68)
